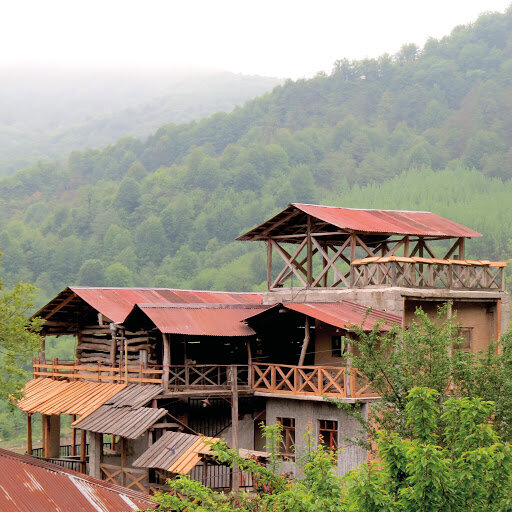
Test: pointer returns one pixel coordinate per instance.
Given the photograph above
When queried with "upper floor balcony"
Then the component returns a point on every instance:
(270, 379)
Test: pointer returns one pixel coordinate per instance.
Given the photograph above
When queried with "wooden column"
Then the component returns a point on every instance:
(307, 336)
(249, 363)
(166, 360)
(309, 248)
(73, 436)
(123, 461)
(235, 483)
(83, 450)
(45, 421)
(462, 252)
(29, 433)
(269, 264)
(353, 244)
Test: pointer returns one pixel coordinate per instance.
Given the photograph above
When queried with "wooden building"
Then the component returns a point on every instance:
(157, 369)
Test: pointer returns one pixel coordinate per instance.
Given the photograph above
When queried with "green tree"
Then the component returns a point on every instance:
(92, 273)
(118, 275)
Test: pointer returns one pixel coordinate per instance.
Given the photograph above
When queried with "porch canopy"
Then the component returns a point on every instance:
(343, 314)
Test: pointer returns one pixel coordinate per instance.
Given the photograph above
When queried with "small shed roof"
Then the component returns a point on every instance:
(353, 220)
(32, 485)
(121, 421)
(341, 314)
(48, 396)
(135, 395)
(198, 319)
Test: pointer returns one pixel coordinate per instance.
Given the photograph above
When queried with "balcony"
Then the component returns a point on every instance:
(261, 378)
(418, 272)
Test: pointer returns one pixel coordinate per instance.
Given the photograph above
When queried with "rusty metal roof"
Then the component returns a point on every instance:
(115, 303)
(342, 314)
(177, 452)
(129, 422)
(198, 319)
(28, 484)
(384, 222)
(48, 396)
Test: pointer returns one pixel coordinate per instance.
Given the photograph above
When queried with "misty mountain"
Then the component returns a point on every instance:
(45, 113)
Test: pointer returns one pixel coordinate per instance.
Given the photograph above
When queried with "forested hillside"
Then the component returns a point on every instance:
(46, 113)
(428, 128)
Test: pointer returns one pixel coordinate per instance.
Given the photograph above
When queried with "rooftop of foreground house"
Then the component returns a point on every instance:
(28, 483)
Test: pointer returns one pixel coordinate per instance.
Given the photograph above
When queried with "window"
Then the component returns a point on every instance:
(465, 334)
(339, 345)
(288, 434)
(328, 433)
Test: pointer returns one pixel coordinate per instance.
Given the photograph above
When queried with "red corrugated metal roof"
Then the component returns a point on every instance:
(341, 314)
(390, 222)
(116, 303)
(346, 313)
(28, 484)
(201, 319)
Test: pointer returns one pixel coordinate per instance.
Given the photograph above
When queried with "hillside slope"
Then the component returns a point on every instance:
(429, 129)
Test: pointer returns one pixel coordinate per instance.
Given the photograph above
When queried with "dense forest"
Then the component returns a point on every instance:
(429, 128)
(47, 112)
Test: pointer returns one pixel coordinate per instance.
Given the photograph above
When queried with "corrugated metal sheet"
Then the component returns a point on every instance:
(344, 314)
(389, 222)
(200, 320)
(48, 396)
(174, 451)
(116, 303)
(28, 484)
(134, 395)
(121, 421)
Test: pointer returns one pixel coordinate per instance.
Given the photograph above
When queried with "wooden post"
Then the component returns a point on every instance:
(461, 249)
(205, 472)
(166, 361)
(83, 450)
(235, 484)
(29, 433)
(125, 359)
(269, 264)
(45, 421)
(123, 461)
(352, 258)
(309, 248)
(348, 389)
(249, 363)
(305, 342)
(73, 436)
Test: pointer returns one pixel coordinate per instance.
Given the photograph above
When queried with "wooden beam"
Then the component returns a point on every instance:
(235, 482)
(353, 243)
(123, 461)
(305, 343)
(73, 437)
(166, 360)
(289, 262)
(364, 246)
(462, 248)
(61, 305)
(29, 434)
(269, 264)
(309, 262)
(83, 450)
(453, 248)
(329, 261)
(279, 222)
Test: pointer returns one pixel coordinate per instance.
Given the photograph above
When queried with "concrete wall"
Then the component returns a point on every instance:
(306, 415)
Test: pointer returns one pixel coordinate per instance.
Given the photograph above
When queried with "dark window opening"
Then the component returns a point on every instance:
(339, 346)
(328, 434)
(288, 438)
(464, 333)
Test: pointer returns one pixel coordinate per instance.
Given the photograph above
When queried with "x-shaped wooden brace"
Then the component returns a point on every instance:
(289, 262)
(330, 262)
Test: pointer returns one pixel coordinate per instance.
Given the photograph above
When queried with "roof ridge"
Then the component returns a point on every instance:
(360, 209)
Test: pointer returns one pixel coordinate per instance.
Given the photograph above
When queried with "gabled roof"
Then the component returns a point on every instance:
(342, 314)
(352, 220)
(32, 485)
(197, 319)
(115, 303)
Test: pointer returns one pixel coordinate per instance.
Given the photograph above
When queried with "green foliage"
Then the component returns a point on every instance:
(452, 460)
(425, 354)
(18, 336)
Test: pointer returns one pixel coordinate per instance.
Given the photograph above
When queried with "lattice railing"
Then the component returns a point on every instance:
(206, 375)
(127, 477)
(428, 273)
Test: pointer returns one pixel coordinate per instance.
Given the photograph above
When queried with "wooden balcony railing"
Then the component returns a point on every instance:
(331, 381)
(428, 273)
(131, 374)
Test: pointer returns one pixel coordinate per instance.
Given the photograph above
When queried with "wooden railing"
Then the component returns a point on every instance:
(136, 374)
(428, 273)
(127, 477)
(199, 376)
(330, 381)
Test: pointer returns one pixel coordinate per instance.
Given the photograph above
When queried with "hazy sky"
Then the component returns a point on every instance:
(285, 38)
